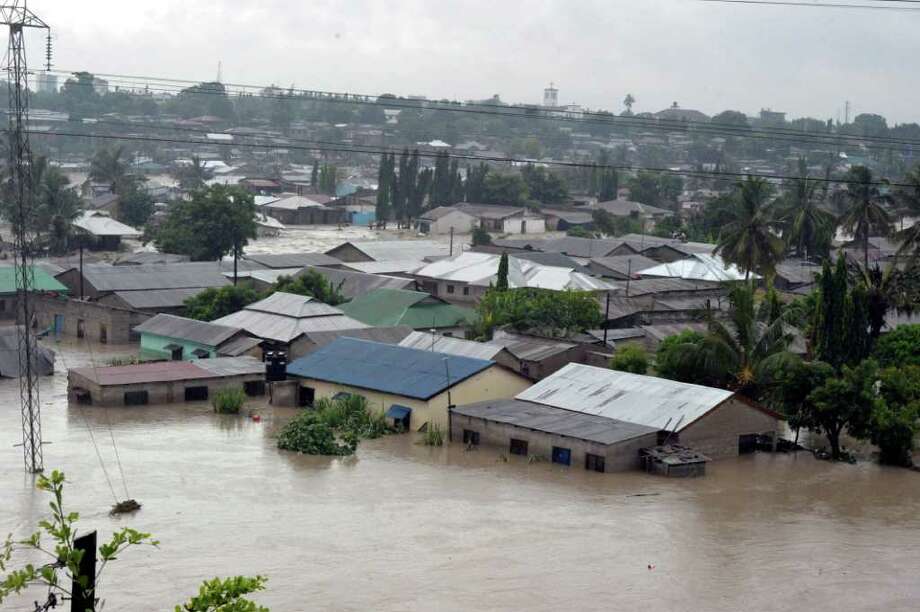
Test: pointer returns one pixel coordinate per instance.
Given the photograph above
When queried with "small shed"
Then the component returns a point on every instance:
(104, 232)
(674, 460)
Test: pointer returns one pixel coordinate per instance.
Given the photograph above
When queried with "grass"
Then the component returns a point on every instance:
(433, 436)
(228, 401)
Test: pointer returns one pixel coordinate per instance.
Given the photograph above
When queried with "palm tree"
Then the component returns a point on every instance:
(806, 226)
(747, 239)
(741, 350)
(193, 176)
(865, 208)
(909, 198)
(58, 205)
(108, 167)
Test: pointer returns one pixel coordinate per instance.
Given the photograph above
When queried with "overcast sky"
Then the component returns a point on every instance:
(712, 57)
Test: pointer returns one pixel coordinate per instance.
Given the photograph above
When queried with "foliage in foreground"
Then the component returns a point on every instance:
(214, 595)
(899, 347)
(332, 427)
(228, 401)
(311, 284)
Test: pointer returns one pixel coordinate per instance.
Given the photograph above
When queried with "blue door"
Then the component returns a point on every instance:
(58, 324)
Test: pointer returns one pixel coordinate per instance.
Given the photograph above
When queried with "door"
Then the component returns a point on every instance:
(58, 324)
(306, 396)
(747, 444)
(562, 456)
(103, 334)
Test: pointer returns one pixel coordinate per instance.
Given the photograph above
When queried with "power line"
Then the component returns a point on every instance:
(527, 112)
(821, 4)
(344, 148)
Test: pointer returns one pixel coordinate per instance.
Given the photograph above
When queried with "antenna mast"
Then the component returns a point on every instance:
(17, 17)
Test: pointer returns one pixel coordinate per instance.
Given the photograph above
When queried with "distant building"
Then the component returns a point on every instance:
(551, 96)
(179, 339)
(444, 219)
(46, 82)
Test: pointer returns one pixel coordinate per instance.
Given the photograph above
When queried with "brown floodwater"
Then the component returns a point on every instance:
(406, 527)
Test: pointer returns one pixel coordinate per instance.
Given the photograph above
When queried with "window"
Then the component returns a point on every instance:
(525, 368)
(254, 388)
(471, 437)
(594, 463)
(196, 394)
(518, 447)
(136, 398)
(466, 291)
(306, 396)
(450, 288)
(562, 456)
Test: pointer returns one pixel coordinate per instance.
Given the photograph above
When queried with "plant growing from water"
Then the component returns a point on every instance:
(333, 427)
(433, 436)
(228, 401)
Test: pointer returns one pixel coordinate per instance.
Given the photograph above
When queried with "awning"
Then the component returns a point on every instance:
(201, 353)
(171, 347)
(398, 412)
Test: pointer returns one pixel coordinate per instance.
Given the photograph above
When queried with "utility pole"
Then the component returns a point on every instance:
(17, 17)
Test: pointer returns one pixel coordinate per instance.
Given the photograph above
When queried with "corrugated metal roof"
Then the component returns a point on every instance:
(573, 247)
(597, 429)
(42, 360)
(284, 329)
(352, 284)
(294, 306)
(399, 250)
(151, 257)
(157, 298)
(180, 328)
(388, 307)
(170, 371)
(647, 286)
(530, 348)
(699, 267)
(386, 267)
(41, 280)
(426, 341)
(291, 260)
(623, 264)
(239, 346)
(386, 368)
(645, 400)
(98, 224)
(482, 269)
(626, 208)
(386, 335)
(154, 276)
(293, 203)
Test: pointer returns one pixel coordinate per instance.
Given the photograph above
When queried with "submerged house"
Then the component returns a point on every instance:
(412, 386)
(12, 358)
(42, 282)
(104, 232)
(167, 336)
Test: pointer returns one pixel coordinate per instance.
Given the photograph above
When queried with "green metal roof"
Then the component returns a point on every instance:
(389, 307)
(42, 281)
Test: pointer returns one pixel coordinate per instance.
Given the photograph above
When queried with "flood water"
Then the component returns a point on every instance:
(406, 527)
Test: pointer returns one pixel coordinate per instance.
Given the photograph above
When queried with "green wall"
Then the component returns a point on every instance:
(152, 347)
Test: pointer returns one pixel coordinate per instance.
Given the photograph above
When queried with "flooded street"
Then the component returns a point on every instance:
(406, 527)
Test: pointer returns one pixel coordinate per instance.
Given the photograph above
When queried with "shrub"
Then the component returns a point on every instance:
(307, 433)
(333, 427)
(900, 347)
(481, 237)
(434, 436)
(630, 358)
(228, 401)
(674, 358)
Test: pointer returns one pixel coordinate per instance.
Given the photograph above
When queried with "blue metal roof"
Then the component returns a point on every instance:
(386, 368)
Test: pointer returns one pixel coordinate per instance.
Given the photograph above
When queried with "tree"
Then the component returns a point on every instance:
(314, 176)
(109, 167)
(194, 174)
(807, 228)
(630, 358)
(894, 423)
(501, 281)
(57, 206)
(226, 595)
(61, 530)
(676, 357)
(612, 225)
(216, 221)
(504, 189)
(628, 102)
(476, 182)
(842, 318)
(481, 237)
(313, 284)
(739, 353)
(865, 208)
(747, 240)
(608, 184)
(551, 313)
(899, 348)
(645, 188)
(844, 402)
(135, 206)
(385, 180)
(544, 186)
(328, 179)
(216, 302)
(909, 199)
(787, 386)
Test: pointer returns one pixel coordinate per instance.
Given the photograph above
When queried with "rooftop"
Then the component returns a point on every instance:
(171, 371)
(283, 317)
(699, 267)
(291, 260)
(598, 429)
(397, 250)
(104, 277)
(388, 307)
(41, 280)
(427, 341)
(386, 368)
(645, 400)
(353, 284)
(98, 224)
(180, 328)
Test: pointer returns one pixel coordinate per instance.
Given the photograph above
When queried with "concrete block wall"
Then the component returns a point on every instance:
(157, 392)
(617, 457)
(118, 322)
(716, 434)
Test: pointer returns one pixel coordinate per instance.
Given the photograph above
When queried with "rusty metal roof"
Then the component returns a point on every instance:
(170, 371)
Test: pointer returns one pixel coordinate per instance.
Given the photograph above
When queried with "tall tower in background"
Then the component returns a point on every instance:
(551, 96)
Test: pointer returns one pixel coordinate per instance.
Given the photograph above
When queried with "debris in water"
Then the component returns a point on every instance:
(124, 507)
(651, 566)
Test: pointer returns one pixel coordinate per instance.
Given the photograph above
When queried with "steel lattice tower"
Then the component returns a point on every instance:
(17, 17)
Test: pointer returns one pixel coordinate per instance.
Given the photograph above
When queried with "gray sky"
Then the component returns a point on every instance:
(805, 61)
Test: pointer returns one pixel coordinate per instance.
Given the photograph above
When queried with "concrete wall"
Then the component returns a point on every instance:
(158, 392)
(493, 383)
(153, 345)
(524, 225)
(716, 434)
(460, 221)
(116, 323)
(617, 457)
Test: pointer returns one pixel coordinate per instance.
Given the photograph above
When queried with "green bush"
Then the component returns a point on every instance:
(228, 401)
(630, 358)
(333, 427)
(434, 436)
(900, 347)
